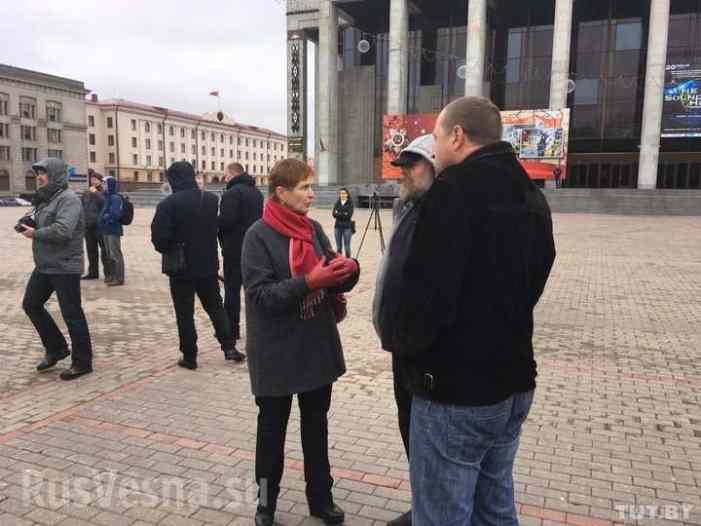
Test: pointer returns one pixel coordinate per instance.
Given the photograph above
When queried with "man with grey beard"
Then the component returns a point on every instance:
(418, 172)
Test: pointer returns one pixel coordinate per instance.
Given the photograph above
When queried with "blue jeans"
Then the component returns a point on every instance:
(343, 240)
(462, 461)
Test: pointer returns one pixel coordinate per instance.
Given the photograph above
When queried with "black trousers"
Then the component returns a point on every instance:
(403, 399)
(93, 241)
(273, 415)
(232, 299)
(67, 287)
(183, 291)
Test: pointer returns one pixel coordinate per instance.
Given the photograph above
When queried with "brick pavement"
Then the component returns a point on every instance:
(616, 425)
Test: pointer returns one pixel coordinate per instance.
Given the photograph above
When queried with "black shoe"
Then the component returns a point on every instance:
(75, 372)
(402, 520)
(187, 364)
(234, 355)
(331, 514)
(90, 276)
(52, 359)
(265, 518)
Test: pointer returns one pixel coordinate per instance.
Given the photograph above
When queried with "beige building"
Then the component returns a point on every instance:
(40, 116)
(137, 142)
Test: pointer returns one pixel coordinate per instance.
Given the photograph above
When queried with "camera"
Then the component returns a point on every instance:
(25, 221)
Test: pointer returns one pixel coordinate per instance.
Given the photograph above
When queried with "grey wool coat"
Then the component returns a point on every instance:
(288, 352)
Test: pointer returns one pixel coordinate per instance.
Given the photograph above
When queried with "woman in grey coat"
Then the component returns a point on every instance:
(292, 280)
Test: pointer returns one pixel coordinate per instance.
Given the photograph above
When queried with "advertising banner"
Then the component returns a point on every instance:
(681, 116)
(539, 137)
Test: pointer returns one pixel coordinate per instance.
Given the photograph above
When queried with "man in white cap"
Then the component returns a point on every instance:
(418, 173)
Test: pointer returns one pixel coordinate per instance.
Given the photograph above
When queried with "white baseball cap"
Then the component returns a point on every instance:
(419, 148)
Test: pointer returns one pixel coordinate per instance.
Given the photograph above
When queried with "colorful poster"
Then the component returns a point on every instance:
(681, 116)
(539, 138)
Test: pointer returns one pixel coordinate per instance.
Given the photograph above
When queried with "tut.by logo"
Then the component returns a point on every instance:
(670, 512)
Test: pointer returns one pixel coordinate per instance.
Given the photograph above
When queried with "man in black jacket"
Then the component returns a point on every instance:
(241, 206)
(480, 257)
(189, 217)
(93, 201)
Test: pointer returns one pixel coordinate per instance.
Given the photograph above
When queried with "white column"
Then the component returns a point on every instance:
(327, 170)
(476, 47)
(562, 35)
(654, 94)
(398, 73)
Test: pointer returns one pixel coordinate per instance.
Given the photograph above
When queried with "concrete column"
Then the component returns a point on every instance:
(398, 72)
(316, 105)
(297, 112)
(476, 47)
(562, 35)
(654, 94)
(327, 170)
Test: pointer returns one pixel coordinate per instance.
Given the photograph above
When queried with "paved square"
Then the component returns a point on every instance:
(614, 436)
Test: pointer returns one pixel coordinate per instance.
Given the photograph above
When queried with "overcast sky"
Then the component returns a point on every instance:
(168, 53)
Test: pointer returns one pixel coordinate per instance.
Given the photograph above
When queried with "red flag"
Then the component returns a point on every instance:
(214, 93)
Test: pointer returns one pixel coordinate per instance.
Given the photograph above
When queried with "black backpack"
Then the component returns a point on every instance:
(127, 211)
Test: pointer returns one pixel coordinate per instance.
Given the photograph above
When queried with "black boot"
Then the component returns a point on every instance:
(330, 514)
(187, 364)
(264, 517)
(233, 354)
(51, 359)
(402, 520)
(75, 372)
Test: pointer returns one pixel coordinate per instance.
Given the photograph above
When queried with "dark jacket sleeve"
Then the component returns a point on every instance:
(61, 231)
(273, 296)
(163, 227)
(229, 211)
(433, 272)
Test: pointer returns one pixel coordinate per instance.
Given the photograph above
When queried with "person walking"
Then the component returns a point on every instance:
(241, 206)
(185, 228)
(343, 214)
(57, 244)
(111, 229)
(465, 334)
(418, 173)
(292, 278)
(93, 202)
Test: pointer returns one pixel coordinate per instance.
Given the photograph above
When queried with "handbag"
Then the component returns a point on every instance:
(340, 307)
(174, 262)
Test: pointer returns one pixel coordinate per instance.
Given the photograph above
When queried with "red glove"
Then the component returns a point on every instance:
(350, 265)
(324, 276)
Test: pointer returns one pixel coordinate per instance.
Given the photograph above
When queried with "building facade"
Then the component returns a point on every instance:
(137, 142)
(40, 116)
(628, 70)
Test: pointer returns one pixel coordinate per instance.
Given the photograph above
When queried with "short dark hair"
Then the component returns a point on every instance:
(479, 118)
(288, 173)
(236, 168)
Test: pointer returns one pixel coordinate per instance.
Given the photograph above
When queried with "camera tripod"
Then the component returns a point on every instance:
(374, 216)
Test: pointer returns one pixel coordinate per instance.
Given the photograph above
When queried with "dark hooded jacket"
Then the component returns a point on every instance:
(188, 216)
(57, 244)
(110, 223)
(480, 258)
(241, 206)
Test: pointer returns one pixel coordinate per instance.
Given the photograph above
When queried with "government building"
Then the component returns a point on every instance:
(607, 90)
(40, 116)
(136, 143)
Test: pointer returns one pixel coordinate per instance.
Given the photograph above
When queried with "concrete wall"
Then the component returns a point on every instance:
(356, 108)
(625, 202)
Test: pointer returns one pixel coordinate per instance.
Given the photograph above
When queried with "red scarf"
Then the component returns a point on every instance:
(299, 229)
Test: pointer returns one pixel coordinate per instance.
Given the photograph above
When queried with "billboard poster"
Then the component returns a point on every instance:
(539, 137)
(681, 115)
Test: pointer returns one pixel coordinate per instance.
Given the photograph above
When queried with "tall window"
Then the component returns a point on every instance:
(91, 139)
(194, 149)
(148, 160)
(111, 157)
(28, 133)
(214, 151)
(171, 131)
(182, 147)
(4, 101)
(214, 165)
(134, 142)
(133, 125)
(221, 152)
(53, 111)
(147, 127)
(222, 137)
(29, 154)
(110, 122)
(4, 130)
(27, 108)
(193, 135)
(214, 137)
(93, 157)
(91, 121)
(160, 128)
(182, 133)
(160, 145)
(135, 159)
(54, 136)
(4, 153)
(172, 147)
(147, 144)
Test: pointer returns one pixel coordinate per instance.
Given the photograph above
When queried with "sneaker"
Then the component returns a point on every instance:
(236, 356)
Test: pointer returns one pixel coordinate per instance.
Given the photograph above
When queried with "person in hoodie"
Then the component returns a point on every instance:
(111, 229)
(189, 216)
(93, 202)
(241, 206)
(57, 244)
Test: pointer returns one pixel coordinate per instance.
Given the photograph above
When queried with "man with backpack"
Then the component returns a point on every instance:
(113, 216)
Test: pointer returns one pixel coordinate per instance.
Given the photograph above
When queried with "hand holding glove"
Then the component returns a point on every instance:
(331, 275)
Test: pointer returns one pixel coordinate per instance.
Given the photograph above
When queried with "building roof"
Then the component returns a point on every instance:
(41, 79)
(209, 118)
